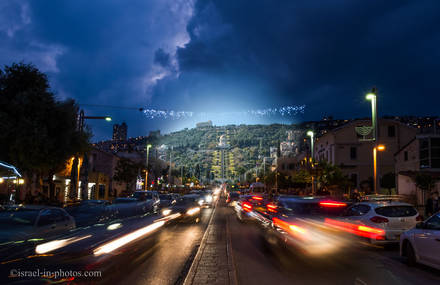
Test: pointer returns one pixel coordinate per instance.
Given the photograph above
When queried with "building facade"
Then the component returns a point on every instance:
(353, 153)
(420, 156)
(120, 132)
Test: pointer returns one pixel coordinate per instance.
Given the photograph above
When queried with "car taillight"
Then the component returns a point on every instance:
(379, 220)
(294, 229)
(247, 207)
(332, 204)
(257, 198)
(419, 218)
(272, 208)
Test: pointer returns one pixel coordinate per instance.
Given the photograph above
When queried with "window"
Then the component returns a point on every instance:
(354, 179)
(357, 210)
(433, 223)
(101, 191)
(391, 131)
(353, 152)
(397, 211)
(405, 155)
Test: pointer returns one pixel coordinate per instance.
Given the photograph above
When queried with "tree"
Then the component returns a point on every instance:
(388, 181)
(331, 176)
(38, 134)
(425, 181)
(126, 171)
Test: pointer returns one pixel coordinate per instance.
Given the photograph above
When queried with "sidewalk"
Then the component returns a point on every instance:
(213, 263)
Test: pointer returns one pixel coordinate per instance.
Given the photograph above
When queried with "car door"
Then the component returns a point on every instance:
(355, 213)
(427, 241)
(46, 224)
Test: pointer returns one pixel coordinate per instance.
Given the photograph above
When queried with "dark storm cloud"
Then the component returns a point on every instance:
(216, 55)
(162, 58)
(325, 54)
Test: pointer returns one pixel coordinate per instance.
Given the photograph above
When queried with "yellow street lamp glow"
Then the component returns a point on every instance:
(20, 181)
(381, 147)
(1, 180)
(108, 119)
(370, 96)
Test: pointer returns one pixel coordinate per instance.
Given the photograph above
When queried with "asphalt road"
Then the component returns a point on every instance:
(170, 258)
(257, 263)
(166, 258)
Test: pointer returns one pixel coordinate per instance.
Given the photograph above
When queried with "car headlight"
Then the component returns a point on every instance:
(208, 198)
(201, 202)
(166, 212)
(192, 211)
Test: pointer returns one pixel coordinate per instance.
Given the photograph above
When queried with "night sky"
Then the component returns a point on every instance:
(225, 57)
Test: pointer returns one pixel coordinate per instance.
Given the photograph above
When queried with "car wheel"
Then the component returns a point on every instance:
(410, 254)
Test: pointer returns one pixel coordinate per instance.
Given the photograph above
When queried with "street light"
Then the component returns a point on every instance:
(372, 96)
(146, 172)
(81, 118)
(311, 134)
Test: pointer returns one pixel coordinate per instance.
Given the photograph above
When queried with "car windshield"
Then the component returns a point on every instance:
(165, 197)
(310, 208)
(396, 211)
(20, 217)
(143, 195)
(85, 209)
(121, 201)
(185, 201)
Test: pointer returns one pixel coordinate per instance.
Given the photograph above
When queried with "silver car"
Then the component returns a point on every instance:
(30, 222)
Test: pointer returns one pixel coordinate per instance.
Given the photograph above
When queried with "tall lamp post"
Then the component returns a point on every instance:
(146, 170)
(372, 96)
(81, 119)
(311, 134)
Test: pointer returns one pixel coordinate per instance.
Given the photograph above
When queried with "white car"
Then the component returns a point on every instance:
(422, 243)
(382, 221)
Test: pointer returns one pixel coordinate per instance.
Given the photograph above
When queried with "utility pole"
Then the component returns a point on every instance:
(148, 146)
(169, 176)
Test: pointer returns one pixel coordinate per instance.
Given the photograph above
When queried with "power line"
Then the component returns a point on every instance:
(112, 107)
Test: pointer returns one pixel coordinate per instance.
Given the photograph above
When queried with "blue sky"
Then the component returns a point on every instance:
(229, 56)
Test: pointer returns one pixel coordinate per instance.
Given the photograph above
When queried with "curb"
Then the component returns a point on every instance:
(192, 270)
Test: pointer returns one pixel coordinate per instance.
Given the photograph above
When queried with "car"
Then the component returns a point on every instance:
(421, 244)
(129, 206)
(386, 220)
(33, 221)
(92, 212)
(248, 204)
(188, 206)
(298, 224)
(166, 200)
(208, 199)
(232, 198)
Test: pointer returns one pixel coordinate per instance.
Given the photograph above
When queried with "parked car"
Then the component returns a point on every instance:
(30, 222)
(422, 243)
(386, 220)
